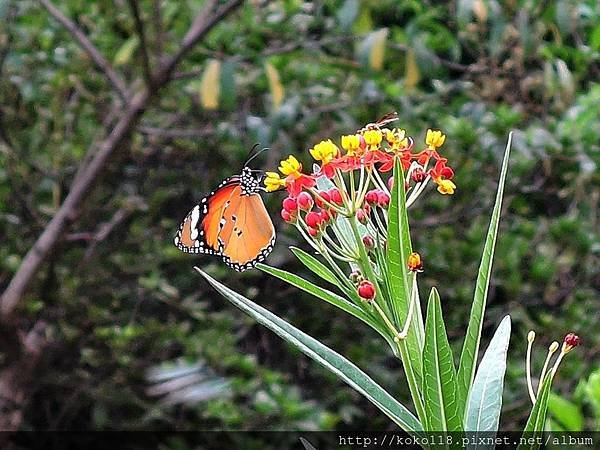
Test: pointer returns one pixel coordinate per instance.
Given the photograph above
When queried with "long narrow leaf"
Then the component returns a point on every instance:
(537, 418)
(325, 356)
(316, 266)
(470, 349)
(399, 248)
(485, 401)
(439, 374)
(329, 297)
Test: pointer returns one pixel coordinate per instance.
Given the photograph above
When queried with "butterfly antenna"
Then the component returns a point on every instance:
(252, 156)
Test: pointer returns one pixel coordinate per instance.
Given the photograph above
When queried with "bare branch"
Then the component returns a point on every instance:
(204, 22)
(85, 43)
(176, 132)
(141, 31)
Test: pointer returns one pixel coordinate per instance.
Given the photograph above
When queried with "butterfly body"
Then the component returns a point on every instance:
(231, 222)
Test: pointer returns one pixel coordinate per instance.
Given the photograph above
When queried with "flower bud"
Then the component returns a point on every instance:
(313, 219)
(313, 232)
(553, 347)
(383, 199)
(415, 264)
(366, 290)
(323, 196)
(287, 215)
(362, 216)
(304, 200)
(290, 204)
(418, 175)
(571, 341)
(390, 183)
(371, 197)
(368, 241)
(355, 276)
(325, 216)
(335, 196)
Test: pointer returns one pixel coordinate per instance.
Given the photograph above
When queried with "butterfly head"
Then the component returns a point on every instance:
(249, 181)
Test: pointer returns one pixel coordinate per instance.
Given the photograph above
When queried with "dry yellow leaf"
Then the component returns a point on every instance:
(411, 71)
(275, 86)
(377, 53)
(210, 85)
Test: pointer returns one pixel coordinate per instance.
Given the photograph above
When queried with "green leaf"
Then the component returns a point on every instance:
(485, 401)
(439, 374)
(566, 413)
(399, 248)
(470, 349)
(537, 417)
(328, 296)
(307, 445)
(125, 52)
(316, 266)
(325, 356)
(228, 87)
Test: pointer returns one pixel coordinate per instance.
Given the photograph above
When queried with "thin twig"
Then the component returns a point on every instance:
(159, 35)
(141, 31)
(86, 44)
(176, 133)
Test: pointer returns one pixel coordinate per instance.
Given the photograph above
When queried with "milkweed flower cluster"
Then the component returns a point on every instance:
(341, 206)
(350, 180)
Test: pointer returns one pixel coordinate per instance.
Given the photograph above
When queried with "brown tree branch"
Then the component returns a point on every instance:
(141, 31)
(204, 22)
(86, 44)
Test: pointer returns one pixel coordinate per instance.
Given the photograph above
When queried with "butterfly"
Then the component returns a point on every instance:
(231, 222)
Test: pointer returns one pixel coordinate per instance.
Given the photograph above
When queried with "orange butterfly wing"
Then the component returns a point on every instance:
(252, 235)
(199, 231)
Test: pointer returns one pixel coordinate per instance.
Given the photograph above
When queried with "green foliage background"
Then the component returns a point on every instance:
(130, 302)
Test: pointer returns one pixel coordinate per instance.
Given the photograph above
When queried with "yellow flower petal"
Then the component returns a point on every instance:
(290, 166)
(445, 187)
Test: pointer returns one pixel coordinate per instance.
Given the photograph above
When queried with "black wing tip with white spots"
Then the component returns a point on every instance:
(266, 251)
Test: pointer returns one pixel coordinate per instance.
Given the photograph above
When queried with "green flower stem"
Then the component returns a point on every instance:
(545, 368)
(411, 308)
(361, 187)
(528, 369)
(306, 237)
(380, 224)
(363, 260)
(338, 252)
(336, 208)
(417, 191)
(380, 182)
(384, 317)
(338, 180)
(352, 191)
(338, 271)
